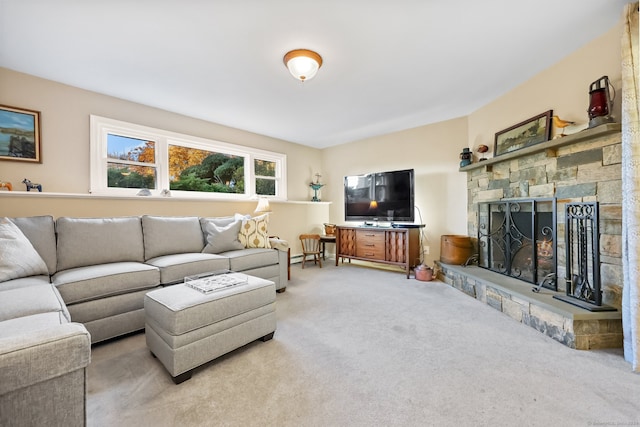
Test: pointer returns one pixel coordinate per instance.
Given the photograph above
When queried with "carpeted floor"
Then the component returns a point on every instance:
(357, 346)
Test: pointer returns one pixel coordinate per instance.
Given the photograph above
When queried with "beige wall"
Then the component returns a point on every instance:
(433, 151)
(65, 114)
(563, 88)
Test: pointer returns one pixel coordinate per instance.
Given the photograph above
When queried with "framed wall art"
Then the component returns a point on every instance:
(529, 132)
(19, 134)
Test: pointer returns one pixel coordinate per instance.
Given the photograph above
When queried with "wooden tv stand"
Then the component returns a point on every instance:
(388, 245)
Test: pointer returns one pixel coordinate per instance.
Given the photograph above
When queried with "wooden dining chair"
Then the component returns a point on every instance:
(311, 246)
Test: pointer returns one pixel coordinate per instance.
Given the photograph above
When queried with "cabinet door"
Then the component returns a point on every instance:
(347, 239)
(397, 244)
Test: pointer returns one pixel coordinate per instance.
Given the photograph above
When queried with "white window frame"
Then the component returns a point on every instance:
(101, 127)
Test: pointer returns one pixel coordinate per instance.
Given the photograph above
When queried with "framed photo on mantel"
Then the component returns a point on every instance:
(529, 132)
(19, 134)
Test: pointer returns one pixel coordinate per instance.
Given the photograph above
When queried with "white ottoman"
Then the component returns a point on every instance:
(186, 328)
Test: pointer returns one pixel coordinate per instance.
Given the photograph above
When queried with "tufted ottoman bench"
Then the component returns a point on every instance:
(186, 328)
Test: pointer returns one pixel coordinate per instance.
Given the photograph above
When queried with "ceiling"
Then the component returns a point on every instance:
(388, 65)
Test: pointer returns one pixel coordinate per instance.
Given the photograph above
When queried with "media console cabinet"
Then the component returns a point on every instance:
(388, 245)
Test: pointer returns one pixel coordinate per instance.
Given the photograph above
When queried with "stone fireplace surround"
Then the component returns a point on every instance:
(583, 167)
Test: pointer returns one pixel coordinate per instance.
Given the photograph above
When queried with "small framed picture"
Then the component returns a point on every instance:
(530, 132)
(19, 134)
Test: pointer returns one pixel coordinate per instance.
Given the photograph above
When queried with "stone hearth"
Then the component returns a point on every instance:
(570, 325)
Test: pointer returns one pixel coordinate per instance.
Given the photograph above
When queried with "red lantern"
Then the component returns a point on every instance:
(600, 102)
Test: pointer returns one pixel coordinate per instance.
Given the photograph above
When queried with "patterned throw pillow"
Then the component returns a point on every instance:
(18, 258)
(254, 232)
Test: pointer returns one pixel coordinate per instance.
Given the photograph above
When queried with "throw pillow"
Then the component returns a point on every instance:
(18, 258)
(222, 238)
(254, 232)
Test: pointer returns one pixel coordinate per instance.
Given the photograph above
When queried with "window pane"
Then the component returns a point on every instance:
(128, 176)
(191, 169)
(265, 168)
(265, 187)
(132, 149)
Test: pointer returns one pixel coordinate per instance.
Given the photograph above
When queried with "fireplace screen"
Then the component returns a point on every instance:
(517, 238)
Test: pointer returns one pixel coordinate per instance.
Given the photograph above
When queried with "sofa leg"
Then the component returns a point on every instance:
(267, 337)
(281, 290)
(182, 377)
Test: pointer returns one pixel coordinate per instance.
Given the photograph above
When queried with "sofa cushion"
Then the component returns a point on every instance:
(31, 300)
(41, 232)
(24, 282)
(91, 241)
(254, 232)
(26, 324)
(251, 258)
(100, 281)
(174, 268)
(18, 257)
(171, 235)
(108, 307)
(222, 238)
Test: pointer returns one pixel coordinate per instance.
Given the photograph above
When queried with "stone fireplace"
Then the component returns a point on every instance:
(516, 205)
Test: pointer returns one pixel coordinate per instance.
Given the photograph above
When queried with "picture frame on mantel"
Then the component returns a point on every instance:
(19, 134)
(532, 131)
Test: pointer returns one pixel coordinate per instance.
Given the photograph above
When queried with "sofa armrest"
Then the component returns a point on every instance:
(279, 244)
(42, 354)
(284, 259)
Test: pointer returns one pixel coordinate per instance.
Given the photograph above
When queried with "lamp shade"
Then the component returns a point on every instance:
(263, 205)
(303, 64)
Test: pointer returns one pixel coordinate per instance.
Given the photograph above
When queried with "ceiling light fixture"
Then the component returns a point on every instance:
(303, 64)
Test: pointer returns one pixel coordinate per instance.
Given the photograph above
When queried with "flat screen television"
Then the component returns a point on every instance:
(380, 196)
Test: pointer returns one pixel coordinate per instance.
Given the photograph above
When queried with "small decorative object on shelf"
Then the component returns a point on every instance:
(30, 185)
(165, 193)
(600, 102)
(6, 185)
(465, 157)
(482, 149)
(316, 186)
(561, 124)
(143, 192)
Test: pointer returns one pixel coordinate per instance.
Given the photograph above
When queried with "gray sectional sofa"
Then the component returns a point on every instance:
(86, 284)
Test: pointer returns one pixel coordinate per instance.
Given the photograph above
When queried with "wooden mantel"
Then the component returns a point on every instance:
(550, 146)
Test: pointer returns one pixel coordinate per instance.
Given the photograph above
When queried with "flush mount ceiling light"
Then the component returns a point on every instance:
(303, 64)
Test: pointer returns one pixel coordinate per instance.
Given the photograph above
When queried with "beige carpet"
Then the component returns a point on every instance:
(357, 346)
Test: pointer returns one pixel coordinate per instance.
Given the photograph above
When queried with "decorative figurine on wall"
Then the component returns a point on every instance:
(316, 186)
(6, 185)
(30, 185)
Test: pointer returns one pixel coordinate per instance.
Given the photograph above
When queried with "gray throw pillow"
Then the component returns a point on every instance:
(18, 257)
(222, 238)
